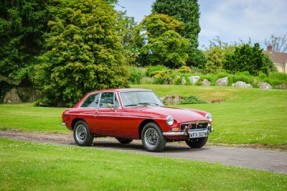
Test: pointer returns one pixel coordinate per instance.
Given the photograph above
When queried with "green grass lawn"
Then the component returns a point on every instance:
(28, 118)
(247, 116)
(34, 166)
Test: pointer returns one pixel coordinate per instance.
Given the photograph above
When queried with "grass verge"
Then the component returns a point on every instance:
(29, 118)
(34, 166)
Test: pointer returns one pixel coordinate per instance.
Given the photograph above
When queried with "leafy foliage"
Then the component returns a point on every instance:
(159, 41)
(136, 74)
(216, 58)
(191, 100)
(22, 24)
(125, 28)
(83, 52)
(247, 58)
(186, 11)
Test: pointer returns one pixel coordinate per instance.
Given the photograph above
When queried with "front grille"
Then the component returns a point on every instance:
(194, 125)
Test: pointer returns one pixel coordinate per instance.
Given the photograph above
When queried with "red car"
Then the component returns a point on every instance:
(129, 114)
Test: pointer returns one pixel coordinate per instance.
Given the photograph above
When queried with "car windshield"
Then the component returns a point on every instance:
(136, 98)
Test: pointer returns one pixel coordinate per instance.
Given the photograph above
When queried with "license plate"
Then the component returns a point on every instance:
(198, 134)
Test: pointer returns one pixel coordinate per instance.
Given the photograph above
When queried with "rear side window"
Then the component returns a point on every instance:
(92, 101)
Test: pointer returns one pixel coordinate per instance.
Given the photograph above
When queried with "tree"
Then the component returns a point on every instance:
(22, 23)
(159, 41)
(279, 44)
(126, 27)
(83, 52)
(216, 58)
(186, 11)
(216, 53)
(247, 58)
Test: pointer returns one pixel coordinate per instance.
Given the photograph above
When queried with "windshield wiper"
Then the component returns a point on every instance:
(129, 105)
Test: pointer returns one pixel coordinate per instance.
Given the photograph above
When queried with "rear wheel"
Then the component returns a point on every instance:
(196, 143)
(152, 138)
(124, 141)
(82, 135)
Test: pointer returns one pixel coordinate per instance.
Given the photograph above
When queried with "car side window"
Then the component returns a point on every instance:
(109, 99)
(91, 101)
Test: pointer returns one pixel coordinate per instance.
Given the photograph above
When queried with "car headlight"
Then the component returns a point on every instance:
(169, 120)
(208, 116)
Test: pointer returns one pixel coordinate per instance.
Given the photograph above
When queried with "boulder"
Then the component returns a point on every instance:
(241, 84)
(194, 79)
(222, 81)
(171, 100)
(12, 97)
(281, 86)
(28, 94)
(205, 82)
(265, 85)
(183, 81)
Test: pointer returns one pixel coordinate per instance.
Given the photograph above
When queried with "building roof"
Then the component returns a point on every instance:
(277, 57)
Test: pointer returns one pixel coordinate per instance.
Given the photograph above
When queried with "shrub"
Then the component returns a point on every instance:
(161, 77)
(136, 74)
(153, 70)
(184, 69)
(241, 76)
(191, 100)
(274, 78)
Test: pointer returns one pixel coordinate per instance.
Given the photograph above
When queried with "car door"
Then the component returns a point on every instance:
(87, 111)
(108, 115)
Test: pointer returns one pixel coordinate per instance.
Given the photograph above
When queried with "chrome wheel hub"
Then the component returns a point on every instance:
(81, 133)
(151, 137)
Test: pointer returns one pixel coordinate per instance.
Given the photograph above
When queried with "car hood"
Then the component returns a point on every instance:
(180, 115)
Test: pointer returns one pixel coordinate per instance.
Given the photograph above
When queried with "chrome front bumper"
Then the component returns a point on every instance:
(174, 133)
(182, 133)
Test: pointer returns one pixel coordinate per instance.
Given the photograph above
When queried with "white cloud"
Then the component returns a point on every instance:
(242, 19)
(231, 20)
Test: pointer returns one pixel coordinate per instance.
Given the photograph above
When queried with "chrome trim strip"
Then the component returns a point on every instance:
(174, 133)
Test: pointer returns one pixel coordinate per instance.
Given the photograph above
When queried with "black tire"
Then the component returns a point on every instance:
(196, 143)
(152, 138)
(124, 141)
(82, 135)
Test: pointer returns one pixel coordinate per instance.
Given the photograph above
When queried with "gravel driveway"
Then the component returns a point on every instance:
(261, 159)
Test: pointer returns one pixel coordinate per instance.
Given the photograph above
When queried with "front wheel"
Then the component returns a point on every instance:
(82, 135)
(152, 138)
(196, 143)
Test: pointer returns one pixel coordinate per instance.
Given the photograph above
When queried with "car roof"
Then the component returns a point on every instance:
(120, 90)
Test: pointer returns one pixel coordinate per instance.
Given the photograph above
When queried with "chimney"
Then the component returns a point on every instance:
(269, 48)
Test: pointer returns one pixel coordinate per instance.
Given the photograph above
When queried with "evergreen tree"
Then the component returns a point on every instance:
(186, 11)
(83, 52)
(159, 41)
(248, 58)
(22, 23)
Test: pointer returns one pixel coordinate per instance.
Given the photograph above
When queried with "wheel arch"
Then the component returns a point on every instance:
(75, 121)
(143, 123)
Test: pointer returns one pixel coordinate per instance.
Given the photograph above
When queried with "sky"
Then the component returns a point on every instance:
(230, 20)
